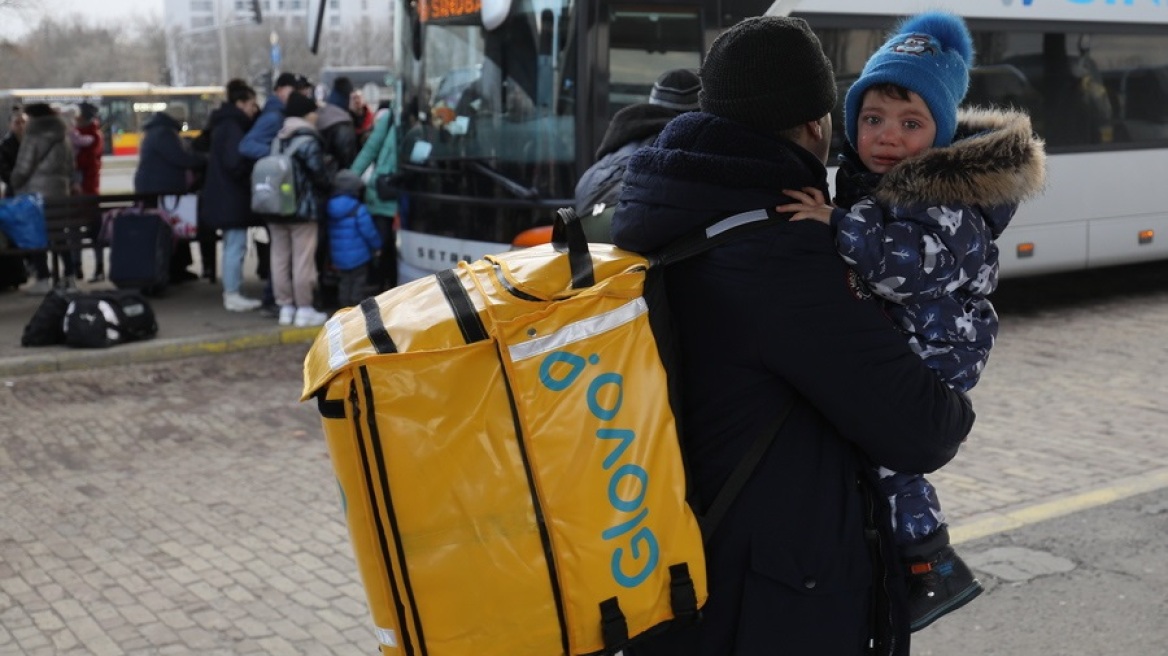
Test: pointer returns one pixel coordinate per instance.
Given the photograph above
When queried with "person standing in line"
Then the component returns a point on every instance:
(336, 127)
(166, 165)
(801, 561)
(363, 116)
(88, 164)
(295, 239)
(257, 143)
(225, 200)
(929, 190)
(339, 136)
(44, 165)
(380, 152)
(353, 238)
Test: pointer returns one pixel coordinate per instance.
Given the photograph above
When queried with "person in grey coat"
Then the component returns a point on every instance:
(44, 165)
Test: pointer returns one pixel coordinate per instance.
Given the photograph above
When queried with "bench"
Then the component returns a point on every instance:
(73, 223)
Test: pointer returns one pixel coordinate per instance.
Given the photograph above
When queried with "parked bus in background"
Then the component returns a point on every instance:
(514, 97)
(513, 100)
(124, 107)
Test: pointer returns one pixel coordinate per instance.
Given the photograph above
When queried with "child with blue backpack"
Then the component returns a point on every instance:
(354, 241)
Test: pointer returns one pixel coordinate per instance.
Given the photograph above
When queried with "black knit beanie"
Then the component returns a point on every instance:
(769, 73)
(299, 105)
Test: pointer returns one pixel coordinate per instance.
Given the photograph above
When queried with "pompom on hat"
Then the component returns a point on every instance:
(929, 54)
(769, 73)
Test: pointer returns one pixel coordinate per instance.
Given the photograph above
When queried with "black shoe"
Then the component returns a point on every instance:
(97, 277)
(271, 311)
(938, 586)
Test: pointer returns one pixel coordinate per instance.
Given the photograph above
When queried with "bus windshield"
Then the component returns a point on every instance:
(503, 97)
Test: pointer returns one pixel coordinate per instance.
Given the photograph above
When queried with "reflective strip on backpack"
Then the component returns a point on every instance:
(579, 330)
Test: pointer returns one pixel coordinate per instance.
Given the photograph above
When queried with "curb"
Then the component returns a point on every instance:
(155, 350)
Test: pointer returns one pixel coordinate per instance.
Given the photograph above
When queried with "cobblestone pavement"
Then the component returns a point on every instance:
(189, 506)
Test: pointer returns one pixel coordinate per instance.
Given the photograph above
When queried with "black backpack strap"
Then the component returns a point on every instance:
(721, 231)
(709, 521)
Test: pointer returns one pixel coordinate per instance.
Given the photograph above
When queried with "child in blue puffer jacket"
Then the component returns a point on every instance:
(353, 238)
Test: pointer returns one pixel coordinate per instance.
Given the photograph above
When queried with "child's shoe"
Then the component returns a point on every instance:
(937, 586)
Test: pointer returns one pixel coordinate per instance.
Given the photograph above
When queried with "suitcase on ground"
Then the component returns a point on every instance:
(141, 245)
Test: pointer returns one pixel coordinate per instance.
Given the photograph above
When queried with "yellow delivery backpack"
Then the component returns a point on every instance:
(508, 458)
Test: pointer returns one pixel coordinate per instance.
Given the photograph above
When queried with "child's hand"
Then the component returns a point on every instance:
(810, 205)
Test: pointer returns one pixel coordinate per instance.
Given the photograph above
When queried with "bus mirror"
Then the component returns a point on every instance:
(494, 12)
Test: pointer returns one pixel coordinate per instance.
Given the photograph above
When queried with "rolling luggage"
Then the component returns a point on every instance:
(508, 461)
(141, 245)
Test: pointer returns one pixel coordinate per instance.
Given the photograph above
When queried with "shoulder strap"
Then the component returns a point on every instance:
(708, 522)
(730, 228)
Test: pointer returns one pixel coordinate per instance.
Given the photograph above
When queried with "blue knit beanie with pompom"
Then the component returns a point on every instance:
(930, 54)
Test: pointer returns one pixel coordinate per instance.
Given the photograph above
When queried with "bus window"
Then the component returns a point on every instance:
(1079, 87)
(643, 44)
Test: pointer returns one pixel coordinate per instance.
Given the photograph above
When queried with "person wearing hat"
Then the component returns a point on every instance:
(258, 140)
(777, 339)
(257, 143)
(44, 165)
(305, 87)
(294, 240)
(336, 125)
(924, 190)
(674, 92)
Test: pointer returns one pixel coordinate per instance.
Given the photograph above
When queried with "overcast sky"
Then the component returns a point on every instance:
(13, 24)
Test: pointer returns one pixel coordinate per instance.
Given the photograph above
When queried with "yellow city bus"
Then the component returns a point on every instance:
(124, 107)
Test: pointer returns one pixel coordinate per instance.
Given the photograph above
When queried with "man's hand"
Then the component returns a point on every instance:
(810, 205)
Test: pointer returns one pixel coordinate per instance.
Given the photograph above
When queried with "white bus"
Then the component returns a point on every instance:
(1092, 74)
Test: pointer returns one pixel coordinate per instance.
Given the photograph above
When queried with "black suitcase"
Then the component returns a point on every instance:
(141, 245)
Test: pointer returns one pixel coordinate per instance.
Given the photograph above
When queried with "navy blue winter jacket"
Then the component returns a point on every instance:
(163, 161)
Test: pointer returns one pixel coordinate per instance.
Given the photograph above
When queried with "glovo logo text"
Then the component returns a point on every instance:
(635, 551)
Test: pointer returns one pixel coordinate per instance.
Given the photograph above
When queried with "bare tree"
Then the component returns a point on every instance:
(70, 52)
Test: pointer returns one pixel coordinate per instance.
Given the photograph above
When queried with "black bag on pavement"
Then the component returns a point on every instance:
(101, 319)
(46, 327)
(141, 245)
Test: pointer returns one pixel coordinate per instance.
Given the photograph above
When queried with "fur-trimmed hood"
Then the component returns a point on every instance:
(995, 159)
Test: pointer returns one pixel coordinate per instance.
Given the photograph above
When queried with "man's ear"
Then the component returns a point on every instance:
(815, 128)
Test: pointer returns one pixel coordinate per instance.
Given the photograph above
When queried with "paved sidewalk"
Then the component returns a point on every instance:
(191, 321)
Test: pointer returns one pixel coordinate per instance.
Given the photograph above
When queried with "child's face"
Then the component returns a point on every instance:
(889, 129)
